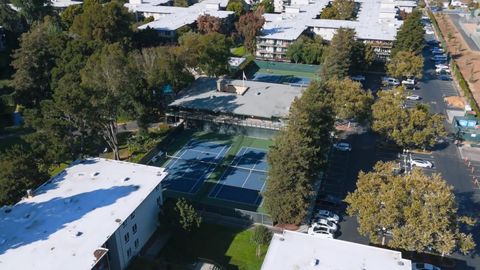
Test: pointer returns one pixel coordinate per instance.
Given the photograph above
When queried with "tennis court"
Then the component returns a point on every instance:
(282, 79)
(244, 180)
(192, 165)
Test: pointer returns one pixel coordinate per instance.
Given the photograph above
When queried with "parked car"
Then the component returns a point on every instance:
(325, 222)
(445, 77)
(439, 57)
(390, 81)
(442, 70)
(329, 215)
(342, 146)
(424, 266)
(442, 66)
(329, 200)
(421, 163)
(413, 97)
(432, 42)
(429, 32)
(408, 82)
(437, 50)
(359, 78)
(320, 231)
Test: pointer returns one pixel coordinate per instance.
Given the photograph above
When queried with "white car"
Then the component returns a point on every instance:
(429, 32)
(343, 146)
(359, 78)
(408, 82)
(328, 215)
(325, 222)
(424, 266)
(320, 231)
(413, 97)
(390, 81)
(421, 163)
(442, 70)
(442, 66)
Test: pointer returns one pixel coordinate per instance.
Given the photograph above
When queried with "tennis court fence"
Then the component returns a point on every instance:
(232, 216)
(218, 164)
(287, 66)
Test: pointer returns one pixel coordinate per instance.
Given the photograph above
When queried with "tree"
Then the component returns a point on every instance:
(249, 26)
(19, 172)
(339, 10)
(68, 15)
(180, 216)
(261, 236)
(34, 61)
(306, 50)
(267, 6)
(33, 10)
(405, 64)
(363, 56)
(408, 127)
(108, 22)
(410, 35)
(9, 18)
(208, 24)
(418, 210)
(237, 6)
(345, 9)
(181, 3)
(298, 154)
(109, 80)
(350, 100)
(209, 53)
(338, 60)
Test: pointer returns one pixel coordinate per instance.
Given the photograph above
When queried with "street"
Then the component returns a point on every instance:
(367, 149)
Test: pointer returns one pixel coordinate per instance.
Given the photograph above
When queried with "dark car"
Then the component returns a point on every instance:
(445, 77)
(326, 199)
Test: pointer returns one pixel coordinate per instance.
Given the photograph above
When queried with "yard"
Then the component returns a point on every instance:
(229, 247)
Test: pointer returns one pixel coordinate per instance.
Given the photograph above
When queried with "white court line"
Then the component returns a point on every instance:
(203, 175)
(246, 179)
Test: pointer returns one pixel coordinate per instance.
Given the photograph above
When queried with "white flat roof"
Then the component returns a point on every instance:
(294, 250)
(368, 25)
(73, 214)
(171, 18)
(65, 3)
(262, 99)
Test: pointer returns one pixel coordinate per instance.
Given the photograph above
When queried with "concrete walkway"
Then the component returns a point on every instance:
(154, 249)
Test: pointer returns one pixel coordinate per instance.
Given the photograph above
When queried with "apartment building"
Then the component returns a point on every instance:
(96, 214)
(168, 19)
(376, 23)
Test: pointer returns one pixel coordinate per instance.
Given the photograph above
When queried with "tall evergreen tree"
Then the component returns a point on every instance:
(34, 61)
(410, 35)
(33, 10)
(298, 154)
(338, 61)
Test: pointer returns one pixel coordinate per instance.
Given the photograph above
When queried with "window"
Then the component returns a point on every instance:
(136, 243)
(127, 237)
(134, 228)
(129, 252)
(132, 215)
(125, 224)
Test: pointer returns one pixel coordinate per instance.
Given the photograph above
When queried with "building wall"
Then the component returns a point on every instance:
(272, 49)
(135, 231)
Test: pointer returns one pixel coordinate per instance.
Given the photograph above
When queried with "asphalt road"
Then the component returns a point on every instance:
(366, 151)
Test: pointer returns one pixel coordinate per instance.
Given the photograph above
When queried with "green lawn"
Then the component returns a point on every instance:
(238, 51)
(229, 247)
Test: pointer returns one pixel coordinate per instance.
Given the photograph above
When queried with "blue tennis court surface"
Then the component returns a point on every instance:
(244, 180)
(282, 79)
(193, 165)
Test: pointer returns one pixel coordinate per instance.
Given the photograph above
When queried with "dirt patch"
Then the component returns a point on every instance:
(456, 102)
(290, 227)
(467, 60)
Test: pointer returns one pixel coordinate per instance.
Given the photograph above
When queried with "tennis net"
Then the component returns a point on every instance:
(209, 163)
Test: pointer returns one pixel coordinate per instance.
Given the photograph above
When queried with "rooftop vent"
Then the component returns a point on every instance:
(95, 174)
(118, 220)
(126, 179)
(315, 262)
(79, 233)
(282, 239)
(29, 193)
(258, 93)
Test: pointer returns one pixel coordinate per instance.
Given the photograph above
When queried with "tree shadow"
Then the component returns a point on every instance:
(30, 222)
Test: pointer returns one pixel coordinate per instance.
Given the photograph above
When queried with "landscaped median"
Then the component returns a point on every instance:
(462, 83)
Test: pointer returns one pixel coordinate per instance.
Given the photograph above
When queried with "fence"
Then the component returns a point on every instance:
(288, 66)
(169, 138)
(232, 216)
